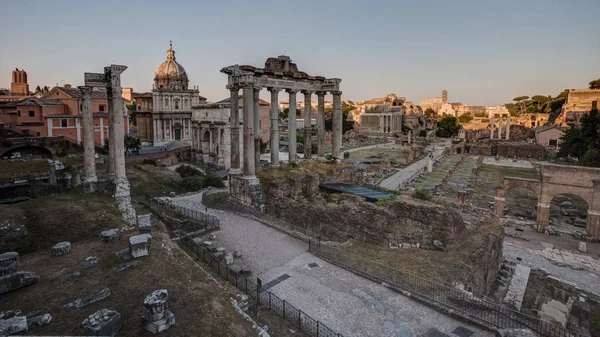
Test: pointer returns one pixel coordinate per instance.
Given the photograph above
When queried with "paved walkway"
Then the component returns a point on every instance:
(408, 173)
(345, 302)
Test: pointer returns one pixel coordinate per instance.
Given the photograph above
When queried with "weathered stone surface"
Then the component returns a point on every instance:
(10, 256)
(111, 235)
(39, 321)
(229, 258)
(124, 254)
(92, 298)
(13, 325)
(8, 267)
(139, 245)
(582, 246)
(10, 314)
(72, 275)
(516, 333)
(61, 248)
(156, 317)
(90, 261)
(103, 322)
(518, 285)
(554, 312)
(438, 245)
(144, 223)
(128, 265)
(17, 280)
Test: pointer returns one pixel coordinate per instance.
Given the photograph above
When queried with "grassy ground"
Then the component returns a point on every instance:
(8, 169)
(201, 305)
(490, 177)
(69, 216)
(156, 181)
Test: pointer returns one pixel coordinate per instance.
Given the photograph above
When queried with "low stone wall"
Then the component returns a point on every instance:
(521, 150)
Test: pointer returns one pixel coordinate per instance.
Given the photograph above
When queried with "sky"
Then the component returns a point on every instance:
(483, 52)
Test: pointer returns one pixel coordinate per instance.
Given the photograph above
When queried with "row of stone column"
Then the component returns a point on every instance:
(493, 124)
(251, 132)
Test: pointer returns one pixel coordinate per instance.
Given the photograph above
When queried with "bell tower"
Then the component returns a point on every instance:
(19, 85)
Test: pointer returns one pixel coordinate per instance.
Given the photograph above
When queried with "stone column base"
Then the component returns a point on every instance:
(123, 199)
(593, 226)
(89, 187)
(246, 191)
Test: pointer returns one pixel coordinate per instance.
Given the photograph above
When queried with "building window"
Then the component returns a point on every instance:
(176, 105)
(102, 107)
(31, 113)
(19, 113)
(81, 107)
(553, 142)
(64, 123)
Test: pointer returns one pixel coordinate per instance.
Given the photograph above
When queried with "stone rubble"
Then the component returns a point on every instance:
(38, 321)
(156, 317)
(103, 322)
(61, 248)
(17, 280)
(13, 325)
(127, 265)
(144, 223)
(110, 236)
(92, 298)
(90, 261)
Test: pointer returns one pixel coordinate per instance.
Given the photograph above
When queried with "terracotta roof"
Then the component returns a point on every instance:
(261, 101)
(40, 101)
(75, 93)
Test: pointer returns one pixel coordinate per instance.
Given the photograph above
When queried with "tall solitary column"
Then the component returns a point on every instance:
(274, 140)
(257, 130)
(492, 127)
(249, 170)
(89, 160)
(117, 128)
(321, 123)
(292, 126)
(507, 126)
(111, 135)
(307, 125)
(500, 117)
(235, 129)
(337, 124)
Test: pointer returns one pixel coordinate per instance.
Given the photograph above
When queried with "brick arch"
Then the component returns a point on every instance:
(510, 183)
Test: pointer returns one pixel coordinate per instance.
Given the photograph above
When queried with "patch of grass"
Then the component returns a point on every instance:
(422, 194)
(8, 169)
(148, 162)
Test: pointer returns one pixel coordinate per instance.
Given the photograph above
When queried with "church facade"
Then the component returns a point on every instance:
(169, 118)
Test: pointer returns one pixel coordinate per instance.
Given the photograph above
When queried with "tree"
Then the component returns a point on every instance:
(132, 143)
(45, 90)
(583, 141)
(38, 89)
(521, 101)
(539, 100)
(132, 113)
(447, 127)
(595, 84)
(465, 118)
(429, 112)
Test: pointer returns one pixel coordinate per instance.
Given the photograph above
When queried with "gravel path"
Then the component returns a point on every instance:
(345, 302)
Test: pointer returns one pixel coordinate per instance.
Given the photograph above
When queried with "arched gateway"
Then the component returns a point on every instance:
(583, 182)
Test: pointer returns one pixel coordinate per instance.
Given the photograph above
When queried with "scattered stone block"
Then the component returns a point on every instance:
(218, 255)
(10, 314)
(207, 244)
(111, 235)
(197, 241)
(236, 253)
(8, 267)
(516, 333)
(38, 321)
(127, 265)
(144, 223)
(103, 322)
(92, 298)
(221, 250)
(157, 318)
(229, 258)
(582, 247)
(61, 248)
(139, 245)
(148, 238)
(17, 280)
(90, 261)
(124, 254)
(72, 275)
(10, 256)
(438, 245)
(13, 325)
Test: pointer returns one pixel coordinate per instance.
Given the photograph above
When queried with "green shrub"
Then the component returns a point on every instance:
(421, 193)
(346, 154)
(187, 171)
(193, 183)
(591, 157)
(148, 162)
(213, 180)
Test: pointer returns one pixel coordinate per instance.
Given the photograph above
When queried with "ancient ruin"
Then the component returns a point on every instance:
(277, 75)
(103, 322)
(555, 180)
(502, 114)
(156, 317)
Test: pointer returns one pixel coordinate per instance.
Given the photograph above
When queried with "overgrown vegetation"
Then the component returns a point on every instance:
(148, 162)
(583, 141)
(194, 179)
(421, 193)
(447, 127)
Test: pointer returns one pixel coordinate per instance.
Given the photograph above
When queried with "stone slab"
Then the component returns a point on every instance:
(110, 236)
(61, 248)
(13, 325)
(39, 321)
(517, 286)
(128, 265)
(10, 256)
(139, 245)
(92, 298)
(8, 267)
(17, 280)
(161, 325)
(103, 322)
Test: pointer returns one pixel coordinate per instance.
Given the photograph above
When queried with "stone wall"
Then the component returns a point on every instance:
(521, 150)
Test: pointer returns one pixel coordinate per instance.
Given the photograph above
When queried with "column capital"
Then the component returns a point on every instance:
(307, 92)
(257, 87)
(232, 87)
(274, 90)
(335, 93)
(85, 90)
(321, 93)
(292, 91)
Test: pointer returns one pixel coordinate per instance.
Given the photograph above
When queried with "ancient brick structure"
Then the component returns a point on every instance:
(578, 103)
(19, 85)
(583, 182)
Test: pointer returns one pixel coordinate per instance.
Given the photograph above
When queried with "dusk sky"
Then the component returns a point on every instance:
(483, 52)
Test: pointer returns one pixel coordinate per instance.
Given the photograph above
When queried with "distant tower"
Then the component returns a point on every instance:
(444, 96)
(19, 85)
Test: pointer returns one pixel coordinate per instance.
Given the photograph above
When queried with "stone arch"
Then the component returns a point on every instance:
(510, 183)
(573, 210)
(205, 141)
(29, 149)
(551, 191)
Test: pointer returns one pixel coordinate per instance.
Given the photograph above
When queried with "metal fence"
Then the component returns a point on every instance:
(462, 302)
(262, 298)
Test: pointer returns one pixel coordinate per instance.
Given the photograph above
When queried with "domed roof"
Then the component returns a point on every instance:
(170, 67)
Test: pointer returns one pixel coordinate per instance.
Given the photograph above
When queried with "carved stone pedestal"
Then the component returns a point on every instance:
(246, 191)
(157, 318)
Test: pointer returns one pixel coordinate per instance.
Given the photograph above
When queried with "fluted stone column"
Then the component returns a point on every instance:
(508, 127)
(257, 131)
(321, 123)
(235, 130)
(292, 125)
(307, 126)
(249, 168)
(111, 135)
(89, 160)
(492, 127)
(274, 139)
(500, 117)
(337, 124)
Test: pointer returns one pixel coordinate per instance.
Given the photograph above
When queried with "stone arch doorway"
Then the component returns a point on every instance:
(206, 142)
(568, 209)
(583, 182)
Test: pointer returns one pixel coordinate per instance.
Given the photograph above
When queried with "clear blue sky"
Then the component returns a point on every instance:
(483, 52)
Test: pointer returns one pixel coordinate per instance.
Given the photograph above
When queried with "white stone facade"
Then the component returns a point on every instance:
(172, 115)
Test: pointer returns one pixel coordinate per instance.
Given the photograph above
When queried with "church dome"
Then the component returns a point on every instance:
(170, 74)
